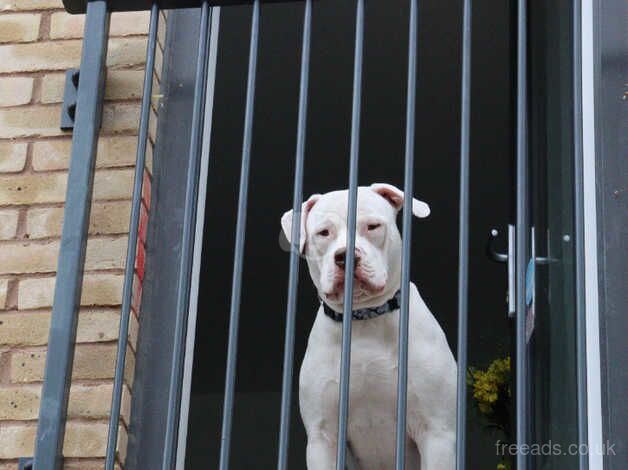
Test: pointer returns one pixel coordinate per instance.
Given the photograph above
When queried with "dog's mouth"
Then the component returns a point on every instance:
(363, 287)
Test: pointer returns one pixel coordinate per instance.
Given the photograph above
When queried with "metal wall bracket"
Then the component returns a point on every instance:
(25, 463)
(70, 92)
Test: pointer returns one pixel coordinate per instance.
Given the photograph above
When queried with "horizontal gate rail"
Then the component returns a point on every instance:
(402, 381)
(80, 6)
(463, 249)
(68, 286)
(131, 253)
(238, 261)
(293, 281)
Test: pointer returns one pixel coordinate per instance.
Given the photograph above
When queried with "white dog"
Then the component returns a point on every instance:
(431, 419)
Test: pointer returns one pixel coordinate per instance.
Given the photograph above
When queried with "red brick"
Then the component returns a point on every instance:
(146, 189)
(143, 228)
(137, 294)
(140, 260)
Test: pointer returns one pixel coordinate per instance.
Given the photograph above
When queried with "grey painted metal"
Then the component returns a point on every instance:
(521, 236)
(607, 62)
(187, 243)
(238, 261)
(149, 407)
(345, 356)
(402, 380)
(581, 348)
(293, 281)
(463, 247)
(186, 387)
(62, 336)
(127, 290)
(25, 463)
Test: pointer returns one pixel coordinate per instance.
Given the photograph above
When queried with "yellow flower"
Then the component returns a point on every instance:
(487, 384)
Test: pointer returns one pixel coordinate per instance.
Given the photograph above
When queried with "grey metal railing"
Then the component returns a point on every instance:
(402, 381)
(131, 253)
(522, 232)
(69, 282)
(238, 262)
(69, 278)
(463, 238)
(345, 351)
(293, 277)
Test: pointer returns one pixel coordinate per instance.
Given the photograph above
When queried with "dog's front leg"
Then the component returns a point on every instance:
(321, 453)
(438, 450)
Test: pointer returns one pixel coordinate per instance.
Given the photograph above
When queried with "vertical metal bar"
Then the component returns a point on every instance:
(463, 248)
(345, 356)
(522, 235)
(60, 355)
(187, 242)
(581, 345)
(127, 291)
(402, 381)
(238, 261)
(288, 360)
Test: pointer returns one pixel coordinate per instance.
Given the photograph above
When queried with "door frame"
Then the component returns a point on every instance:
(198, 243)
(605, 135)
(590, 233)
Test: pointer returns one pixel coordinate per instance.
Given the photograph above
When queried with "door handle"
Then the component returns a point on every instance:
(509, 259)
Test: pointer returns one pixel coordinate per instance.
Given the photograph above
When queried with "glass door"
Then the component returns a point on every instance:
(552, 344)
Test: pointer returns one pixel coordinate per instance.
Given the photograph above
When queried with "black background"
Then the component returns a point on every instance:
(435, 240)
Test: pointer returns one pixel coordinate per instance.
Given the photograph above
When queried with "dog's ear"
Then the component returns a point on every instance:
(395, 196)
(288, 217)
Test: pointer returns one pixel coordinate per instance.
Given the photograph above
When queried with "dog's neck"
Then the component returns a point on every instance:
(390, 305)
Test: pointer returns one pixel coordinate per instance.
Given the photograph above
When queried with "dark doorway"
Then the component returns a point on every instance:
(435, 242)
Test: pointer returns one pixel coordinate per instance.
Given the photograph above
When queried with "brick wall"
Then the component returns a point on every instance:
(38, 42)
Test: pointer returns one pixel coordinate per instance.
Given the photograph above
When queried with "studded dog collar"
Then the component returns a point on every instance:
(366, 313)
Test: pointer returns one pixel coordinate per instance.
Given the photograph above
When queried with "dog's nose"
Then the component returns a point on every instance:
(341, 255)
(339, 258)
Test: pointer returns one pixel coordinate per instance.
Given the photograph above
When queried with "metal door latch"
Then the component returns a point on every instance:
(509, 259)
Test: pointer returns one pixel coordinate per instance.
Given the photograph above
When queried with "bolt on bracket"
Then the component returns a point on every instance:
(70, 93)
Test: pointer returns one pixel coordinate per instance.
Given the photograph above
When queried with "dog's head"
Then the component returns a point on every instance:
(323, 241)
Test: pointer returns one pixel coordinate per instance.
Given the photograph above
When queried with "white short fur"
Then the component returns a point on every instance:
(373, 376)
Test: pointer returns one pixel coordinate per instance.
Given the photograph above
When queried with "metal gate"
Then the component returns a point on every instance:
(52, 418)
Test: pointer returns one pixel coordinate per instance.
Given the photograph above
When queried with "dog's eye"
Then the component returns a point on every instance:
(323, 233)
(372, 227)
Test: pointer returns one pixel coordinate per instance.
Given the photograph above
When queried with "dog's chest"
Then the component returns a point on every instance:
(373, 370)
(372, 401)
(372, 388)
